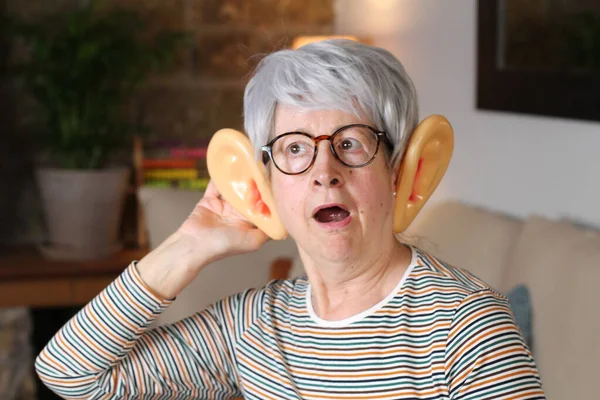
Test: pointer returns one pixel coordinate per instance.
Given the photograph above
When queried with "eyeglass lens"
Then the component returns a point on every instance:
(354, 146)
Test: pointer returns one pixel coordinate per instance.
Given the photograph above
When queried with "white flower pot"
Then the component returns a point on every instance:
(83, 210)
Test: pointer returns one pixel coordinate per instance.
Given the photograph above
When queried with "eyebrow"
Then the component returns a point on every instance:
(306, 130)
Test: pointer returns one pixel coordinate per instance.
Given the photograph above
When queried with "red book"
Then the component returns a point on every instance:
(169, 163)
(195, 152)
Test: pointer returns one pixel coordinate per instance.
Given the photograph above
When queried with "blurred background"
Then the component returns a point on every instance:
(106, 109)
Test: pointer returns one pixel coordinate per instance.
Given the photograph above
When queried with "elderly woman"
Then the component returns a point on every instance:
(373, 318)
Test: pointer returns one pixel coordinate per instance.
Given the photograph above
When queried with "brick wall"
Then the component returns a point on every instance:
(201, 95)
(204, 94)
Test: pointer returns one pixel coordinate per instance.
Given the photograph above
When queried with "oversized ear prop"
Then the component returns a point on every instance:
(424, 164)
(242, 181)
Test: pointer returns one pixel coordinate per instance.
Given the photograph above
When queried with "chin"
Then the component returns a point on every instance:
(335, 247)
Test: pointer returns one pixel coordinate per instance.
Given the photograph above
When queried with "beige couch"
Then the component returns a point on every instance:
(559, 263)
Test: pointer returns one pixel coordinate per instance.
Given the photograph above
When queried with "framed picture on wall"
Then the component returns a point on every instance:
(539, 57)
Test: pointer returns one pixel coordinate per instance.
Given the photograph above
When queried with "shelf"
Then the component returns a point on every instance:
(26, 263)
(29, 280)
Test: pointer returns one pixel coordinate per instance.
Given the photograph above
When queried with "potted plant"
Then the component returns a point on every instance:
(83, 68)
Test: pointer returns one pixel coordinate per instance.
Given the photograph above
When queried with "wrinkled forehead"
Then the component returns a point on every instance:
(315, 121)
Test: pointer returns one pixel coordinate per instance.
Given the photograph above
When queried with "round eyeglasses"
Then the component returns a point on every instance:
(353, 145)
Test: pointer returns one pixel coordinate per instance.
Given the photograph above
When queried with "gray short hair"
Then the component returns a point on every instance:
(333, 74)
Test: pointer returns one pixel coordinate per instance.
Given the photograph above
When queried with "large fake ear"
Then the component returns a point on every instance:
(425, 162)
(242, 181)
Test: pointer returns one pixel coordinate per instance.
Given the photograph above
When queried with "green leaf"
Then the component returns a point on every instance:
(83, 67)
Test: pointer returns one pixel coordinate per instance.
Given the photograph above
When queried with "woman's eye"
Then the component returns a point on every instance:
(349, 144)
(296, 148)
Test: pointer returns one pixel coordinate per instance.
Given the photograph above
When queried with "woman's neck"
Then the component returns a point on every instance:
(340, 291)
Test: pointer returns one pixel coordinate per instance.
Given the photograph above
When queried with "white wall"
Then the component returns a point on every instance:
(519, 164)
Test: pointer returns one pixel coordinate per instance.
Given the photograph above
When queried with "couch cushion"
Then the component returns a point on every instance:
(467, 237)
(560, 265)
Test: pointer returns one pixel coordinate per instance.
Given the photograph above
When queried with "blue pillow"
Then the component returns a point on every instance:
(520, 304)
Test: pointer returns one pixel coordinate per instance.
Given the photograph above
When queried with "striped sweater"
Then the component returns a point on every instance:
(441, 334)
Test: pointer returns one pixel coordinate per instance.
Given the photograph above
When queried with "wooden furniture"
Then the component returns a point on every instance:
(280, 268)
(27, 279)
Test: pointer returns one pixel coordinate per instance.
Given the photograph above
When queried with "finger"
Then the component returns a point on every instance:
(212, 191)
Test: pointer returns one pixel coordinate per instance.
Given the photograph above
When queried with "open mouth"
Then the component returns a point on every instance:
(333, 213)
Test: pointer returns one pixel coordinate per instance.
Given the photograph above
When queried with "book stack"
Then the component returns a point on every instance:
(176, 167)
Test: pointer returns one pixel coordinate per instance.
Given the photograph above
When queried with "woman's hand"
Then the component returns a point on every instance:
(216, 221)
(214, 230)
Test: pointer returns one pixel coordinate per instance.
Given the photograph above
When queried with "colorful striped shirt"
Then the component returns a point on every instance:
(441, 334)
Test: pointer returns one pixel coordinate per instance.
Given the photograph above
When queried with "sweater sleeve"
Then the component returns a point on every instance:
(486, 357)
(107, 350)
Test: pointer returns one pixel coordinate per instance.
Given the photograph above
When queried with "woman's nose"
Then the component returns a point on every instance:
(326, 170)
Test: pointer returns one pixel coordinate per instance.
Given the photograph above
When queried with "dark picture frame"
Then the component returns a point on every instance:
(548, 93)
